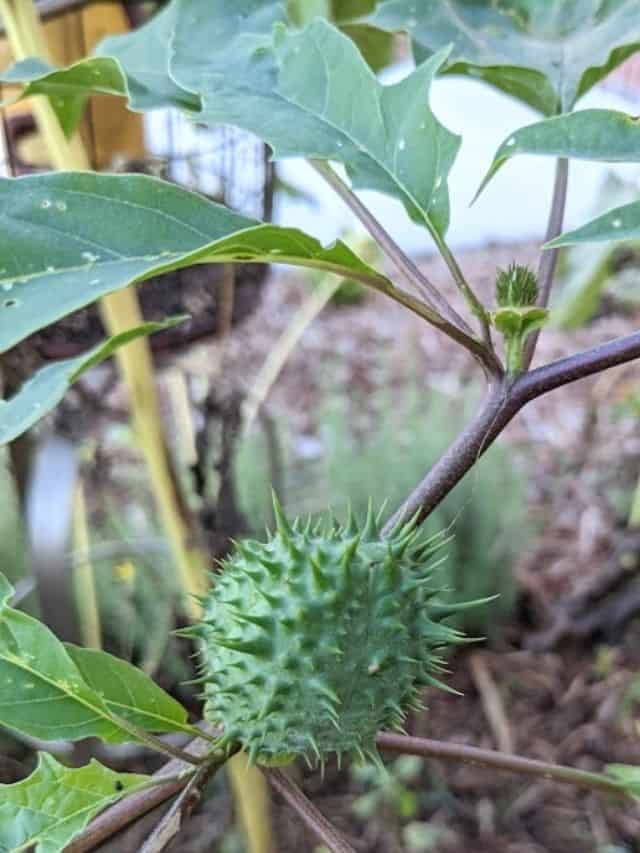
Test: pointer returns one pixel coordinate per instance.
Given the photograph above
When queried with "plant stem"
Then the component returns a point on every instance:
(504, 400)
(549, 257)
(464, 287)
(494, 760)
(84, 585)
(305, 809)
(431, 295)
(173, 821)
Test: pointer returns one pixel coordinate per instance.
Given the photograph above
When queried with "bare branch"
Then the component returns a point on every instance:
(549, 258)
(173, 821)
(503, 401)
(494, 760)
(131, 808)
(315, 820)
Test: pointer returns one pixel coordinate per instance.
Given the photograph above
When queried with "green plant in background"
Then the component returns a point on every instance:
(589, 271)
(70, 239)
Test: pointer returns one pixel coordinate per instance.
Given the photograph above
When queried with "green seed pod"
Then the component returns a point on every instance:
(516, 287)
(517, 315)
(315, 640)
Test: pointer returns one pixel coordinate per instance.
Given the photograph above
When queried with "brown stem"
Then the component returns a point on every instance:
(503, 401)
(431, 294)
(174, 820)
(549, 258)
(464, 287)
(315, 820)
(494, 760)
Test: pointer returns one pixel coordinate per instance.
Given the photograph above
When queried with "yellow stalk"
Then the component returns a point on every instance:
(120, 311)
(84, 587)
(286, 343)
(251, 798)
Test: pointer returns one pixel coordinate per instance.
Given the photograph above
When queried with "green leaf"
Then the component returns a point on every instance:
(589, 270)
(129, 692)
(48, 386)
(42, 692)
(294, 96)
(67, 239)
(621, 223)
(546, 53)
(134, 66)
(52, 805)
(628, 776)
(143, 55)
(602, 135)
(68, 88)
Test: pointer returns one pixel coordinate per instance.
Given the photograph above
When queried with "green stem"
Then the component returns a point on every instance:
(464, 287)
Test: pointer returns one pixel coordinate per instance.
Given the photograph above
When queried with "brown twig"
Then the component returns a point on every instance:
(492, 703)
(431, 295)
(315, 820)
(494, 760)
(173, 821)
(131, 808)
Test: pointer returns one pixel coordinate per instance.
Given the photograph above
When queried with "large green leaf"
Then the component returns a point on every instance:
(42, 691)
(129, 692)
(547, 53)
(48, 386)
(67, 239)
(313, 95)
(134, 65)
(50, 807)
(621, 223)
(606, 135)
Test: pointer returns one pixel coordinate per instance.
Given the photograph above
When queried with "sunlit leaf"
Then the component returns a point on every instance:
(68, 239)
(48, 386)
(604, 135)
(45, 811)
(547, 53)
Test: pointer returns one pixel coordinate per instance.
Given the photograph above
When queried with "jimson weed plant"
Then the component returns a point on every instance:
(313, 641)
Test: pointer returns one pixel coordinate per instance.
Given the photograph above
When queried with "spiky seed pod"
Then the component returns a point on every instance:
(516, 287)
(315, 640)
